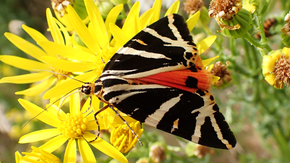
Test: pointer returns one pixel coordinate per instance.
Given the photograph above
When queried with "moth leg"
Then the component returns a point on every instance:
(126, 124)
(90, 104)
(95, 115)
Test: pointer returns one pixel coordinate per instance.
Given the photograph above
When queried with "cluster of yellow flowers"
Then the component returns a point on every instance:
(79, 50)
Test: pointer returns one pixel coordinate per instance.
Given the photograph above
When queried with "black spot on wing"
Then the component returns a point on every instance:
(191, 82)
(200, 92)
(188, 55)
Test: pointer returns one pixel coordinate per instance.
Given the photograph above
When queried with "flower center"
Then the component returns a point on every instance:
(74, 126)
(60, 6)
(60, 74)
(122, 139)
(282, 70)
(224, 9)
(192, 6)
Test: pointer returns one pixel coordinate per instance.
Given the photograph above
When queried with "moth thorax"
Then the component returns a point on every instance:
(88, 88)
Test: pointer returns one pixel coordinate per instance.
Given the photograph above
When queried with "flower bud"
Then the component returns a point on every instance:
(231, 17)
(157, 153)
(286, 31)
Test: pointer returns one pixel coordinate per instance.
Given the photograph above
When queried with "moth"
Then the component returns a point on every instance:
(158, 79)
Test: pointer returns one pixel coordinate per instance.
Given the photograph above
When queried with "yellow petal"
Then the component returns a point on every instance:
(270, 79)
(86, 151)
(17, 157)
(156, 7)
(64, 32)
(36, 35)
(82, 30)
(53, 143)
(173, 8)
(37, 89)
(112, 17)
(97, 23)
(39, 135)
(54, 30)
(26, 46)
(24, 64)
(276, 55)
(119, 35)
(286, 52)
(132, 24)
(145, 18)
(68, 65)
(268, 64)
(192, 20)
(66, 51)
(70, 154)
(206, 62)
(204, 44)
(105, 147)
(74, 104)
(40, 114)
(27, 78)
(214, 79)
(68, 85)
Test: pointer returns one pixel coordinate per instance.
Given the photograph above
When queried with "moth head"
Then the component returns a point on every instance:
(88, 88)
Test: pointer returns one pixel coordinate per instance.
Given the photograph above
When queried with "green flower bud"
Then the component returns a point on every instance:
(239, 25)
(117, 2)
(104, 7)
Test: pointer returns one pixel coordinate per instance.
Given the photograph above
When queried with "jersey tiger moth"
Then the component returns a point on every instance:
(158, 79)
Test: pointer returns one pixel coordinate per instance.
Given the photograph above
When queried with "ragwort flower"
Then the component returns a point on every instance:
(72, 127)
(234, 20)
(122, 137)
(45, 74)
(37, 155)
(276, 68)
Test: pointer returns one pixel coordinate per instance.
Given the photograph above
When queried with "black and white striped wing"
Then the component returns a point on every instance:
(193, 116)
(163, 46)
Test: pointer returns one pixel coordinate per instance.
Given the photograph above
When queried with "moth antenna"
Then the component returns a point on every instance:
(63, 98)
(90, 104)
(127, 125)
(62, 75)
(49, 106)
(103, 60)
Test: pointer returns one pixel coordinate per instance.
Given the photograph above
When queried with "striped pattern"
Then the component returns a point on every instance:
(165, 46)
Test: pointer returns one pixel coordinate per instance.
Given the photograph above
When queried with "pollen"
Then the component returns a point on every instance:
(74, 126)
(282, 70)
(224, 9)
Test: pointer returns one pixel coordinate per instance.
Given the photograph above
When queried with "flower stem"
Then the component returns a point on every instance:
(263, 48)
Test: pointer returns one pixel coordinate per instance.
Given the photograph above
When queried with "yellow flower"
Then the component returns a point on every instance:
(46, 78)
(122, 137)
(36, 156)
(276, 68)
(72, 127)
